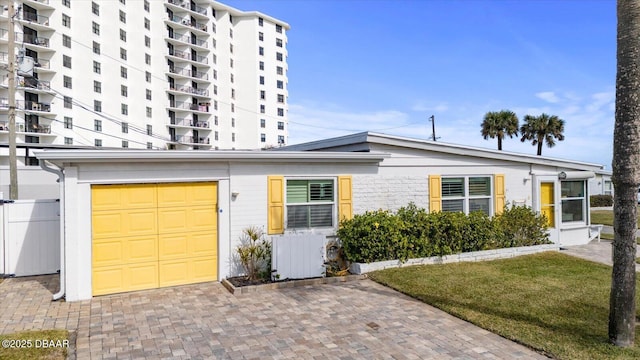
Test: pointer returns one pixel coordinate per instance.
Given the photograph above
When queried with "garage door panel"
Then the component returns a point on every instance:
(173, 220)
(106, 197)
(173, 246)
(172, 195)
(174, 272)
(107, 224)
(142, 222)
(141, 249)
(142, 276)
(205, 194)
(141, 196)
(107, 252)
(202, 218)
(203, 269)
(108, 280)
(203, 244)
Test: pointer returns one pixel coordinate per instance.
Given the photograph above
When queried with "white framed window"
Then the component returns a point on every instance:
(573, 199)
(608, 187)
(67, 82)
(66, 41)
(310, 203)
(467, 194)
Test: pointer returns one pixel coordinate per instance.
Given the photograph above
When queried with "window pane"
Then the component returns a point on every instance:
(572, 189)
(572, 210)
(321, 191)
(452, 205)
(297, 191)
(298, 216)
(479, 186)
(479, 205)
(309, 216)
(452, 187)
(321, 215)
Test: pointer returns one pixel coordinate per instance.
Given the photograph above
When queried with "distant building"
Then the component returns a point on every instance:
(153, 74)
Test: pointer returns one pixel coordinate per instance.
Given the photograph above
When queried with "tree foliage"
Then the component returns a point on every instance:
(542, 129)
(498, 124)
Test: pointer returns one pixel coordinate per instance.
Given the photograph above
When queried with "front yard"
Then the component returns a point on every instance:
(604, 217)
(554, 303)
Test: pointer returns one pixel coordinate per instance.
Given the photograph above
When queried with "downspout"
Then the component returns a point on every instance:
(58, 171)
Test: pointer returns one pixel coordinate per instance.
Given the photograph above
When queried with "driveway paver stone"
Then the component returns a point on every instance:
(353, 320)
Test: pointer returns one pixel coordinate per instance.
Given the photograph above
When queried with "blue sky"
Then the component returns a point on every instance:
(386, 66)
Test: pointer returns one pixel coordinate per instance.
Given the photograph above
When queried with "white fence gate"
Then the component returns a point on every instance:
(30, 234)
(298, 256)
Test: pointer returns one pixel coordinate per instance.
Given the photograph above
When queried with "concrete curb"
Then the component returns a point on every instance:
(362, 268)
(289, 284)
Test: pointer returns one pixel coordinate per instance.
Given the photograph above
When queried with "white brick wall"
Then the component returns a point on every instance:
(372, 192)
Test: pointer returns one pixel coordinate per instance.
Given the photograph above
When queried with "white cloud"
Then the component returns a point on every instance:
(548, 96)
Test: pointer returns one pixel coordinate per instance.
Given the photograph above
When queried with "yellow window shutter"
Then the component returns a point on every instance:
(345, 198)
(435, 193)
(275, 205)
(499, 193)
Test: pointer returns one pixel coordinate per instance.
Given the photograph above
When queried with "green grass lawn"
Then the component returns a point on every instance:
(604, 217)
(50, 353)
(551, 302)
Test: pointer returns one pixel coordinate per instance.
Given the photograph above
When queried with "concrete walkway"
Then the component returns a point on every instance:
(594, 251)
(355, 320)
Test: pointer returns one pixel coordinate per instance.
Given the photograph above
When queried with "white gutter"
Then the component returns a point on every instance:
(57, 171)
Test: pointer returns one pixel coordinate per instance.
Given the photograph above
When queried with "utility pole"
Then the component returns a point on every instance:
(433, 126)
(13, 166)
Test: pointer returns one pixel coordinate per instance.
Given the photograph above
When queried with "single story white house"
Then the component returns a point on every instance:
(139, 219)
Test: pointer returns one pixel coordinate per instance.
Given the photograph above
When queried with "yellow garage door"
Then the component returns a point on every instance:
(153, 235)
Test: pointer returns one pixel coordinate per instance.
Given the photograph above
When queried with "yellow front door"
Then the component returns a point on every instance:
(547, 202)
(153, 235)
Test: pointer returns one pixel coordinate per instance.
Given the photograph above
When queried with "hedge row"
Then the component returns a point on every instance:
(601, 200)
(412, 232)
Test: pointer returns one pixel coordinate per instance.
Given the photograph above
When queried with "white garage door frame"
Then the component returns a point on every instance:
(77, 245)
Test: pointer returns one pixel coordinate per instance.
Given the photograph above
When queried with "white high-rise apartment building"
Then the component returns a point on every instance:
(172, 74)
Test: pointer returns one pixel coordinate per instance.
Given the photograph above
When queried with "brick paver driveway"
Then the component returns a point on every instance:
(352, 320)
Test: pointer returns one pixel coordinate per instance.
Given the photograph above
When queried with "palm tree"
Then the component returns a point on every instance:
(626, 176)
(498, 124)
(542, 129)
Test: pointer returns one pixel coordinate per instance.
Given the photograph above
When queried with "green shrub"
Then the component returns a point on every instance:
(601, 200)
(520, 226)
(412, 232)
(481, 232)
(373, 236)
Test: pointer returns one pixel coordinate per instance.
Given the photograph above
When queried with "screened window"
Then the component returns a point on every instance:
(310, 203)
(573, 200)
(466, 194)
